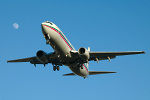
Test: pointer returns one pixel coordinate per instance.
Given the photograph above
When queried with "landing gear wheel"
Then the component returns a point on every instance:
(54, 68)
(58, 68)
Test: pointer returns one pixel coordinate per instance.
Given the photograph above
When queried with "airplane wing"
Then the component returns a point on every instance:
(99, 72)
(110, 55)
(33, 60)
(24, 59)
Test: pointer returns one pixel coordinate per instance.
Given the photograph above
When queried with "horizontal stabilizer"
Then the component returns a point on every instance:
(99, 72)
(70, 74)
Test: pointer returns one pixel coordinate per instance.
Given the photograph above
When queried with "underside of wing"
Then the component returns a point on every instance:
(24, 59)
(99, 72)
(111, 55)
(51, 58)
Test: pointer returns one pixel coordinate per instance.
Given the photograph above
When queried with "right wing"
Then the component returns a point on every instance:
(33, 60)
(24, 60)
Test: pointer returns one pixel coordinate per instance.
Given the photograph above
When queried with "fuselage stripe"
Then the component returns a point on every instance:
(85, 67)
(69, 45)
(66, 41)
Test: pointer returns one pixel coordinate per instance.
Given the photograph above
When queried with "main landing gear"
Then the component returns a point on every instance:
(56, 68)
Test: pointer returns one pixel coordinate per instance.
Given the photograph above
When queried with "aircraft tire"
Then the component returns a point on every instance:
(54, 68)
(58, 68)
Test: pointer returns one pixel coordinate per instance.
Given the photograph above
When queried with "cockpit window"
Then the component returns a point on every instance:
(49, 22)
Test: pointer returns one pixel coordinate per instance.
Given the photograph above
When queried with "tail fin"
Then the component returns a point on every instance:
(89, 49)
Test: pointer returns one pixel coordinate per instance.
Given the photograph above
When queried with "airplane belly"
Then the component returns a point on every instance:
(81, 71)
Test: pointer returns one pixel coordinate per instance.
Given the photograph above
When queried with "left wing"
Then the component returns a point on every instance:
(110, 55)
(96, 56)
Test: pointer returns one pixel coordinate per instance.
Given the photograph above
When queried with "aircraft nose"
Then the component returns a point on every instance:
(43, 27)
(42, 24)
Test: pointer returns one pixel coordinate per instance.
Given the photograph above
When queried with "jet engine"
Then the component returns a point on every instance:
(41, 56)
(83, 53)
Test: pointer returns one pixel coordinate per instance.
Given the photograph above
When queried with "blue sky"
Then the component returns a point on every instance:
(102, 25)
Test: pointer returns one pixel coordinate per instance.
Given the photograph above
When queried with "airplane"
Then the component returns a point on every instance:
(65, 54)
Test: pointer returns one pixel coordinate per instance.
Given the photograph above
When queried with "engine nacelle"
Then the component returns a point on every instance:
(41, 56)
(83, 53)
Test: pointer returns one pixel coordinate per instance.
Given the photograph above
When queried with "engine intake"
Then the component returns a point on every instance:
(42, 57)
(83, 53)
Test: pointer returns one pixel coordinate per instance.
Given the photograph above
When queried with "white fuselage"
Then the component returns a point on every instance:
(62, 47)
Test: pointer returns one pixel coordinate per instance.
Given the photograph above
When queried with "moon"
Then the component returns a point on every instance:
(15, 26)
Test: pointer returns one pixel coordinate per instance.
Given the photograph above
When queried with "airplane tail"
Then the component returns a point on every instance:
(88, 49)
(99, 72)
(70, 74)
(92, 73)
